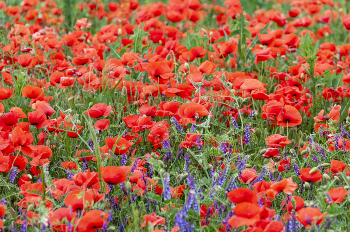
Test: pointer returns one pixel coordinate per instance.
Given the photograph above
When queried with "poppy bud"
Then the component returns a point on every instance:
(124, 91)
(294, 203)
(313, 170)
(308, 95)
(150, 100)
(168, 57)
(184, 175)
(292, 141)
(216, 175)
(119, 32)
(127, 186)
(326, 176)
(187, 66)
(347, 118)
(302, 76)
(263, 151)
(161, 171)
(160, 163)
(211, 34)
(150, 227)
(325, 164)
(248, 165)
(302, 144)
(90, 104)
(336, 178)
(304, 152)
(210, 167)
(307, 185)
(30, 207)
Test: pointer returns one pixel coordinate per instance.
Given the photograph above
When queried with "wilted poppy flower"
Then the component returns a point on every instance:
(99, 110)
(240, 195)
(307, 177)
(113, 174)
(310, 216)
(336, 195)
(121, 147)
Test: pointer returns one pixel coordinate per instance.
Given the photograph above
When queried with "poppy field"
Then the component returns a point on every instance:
(174, 115)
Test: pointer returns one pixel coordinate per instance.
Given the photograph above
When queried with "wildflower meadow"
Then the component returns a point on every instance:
(174, 115)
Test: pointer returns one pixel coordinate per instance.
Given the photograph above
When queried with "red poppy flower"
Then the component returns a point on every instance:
(138, 123)
(189, 111)
(159, 72)
(37, 118)
(284, 164)
(92, 220)
(307, 177)
(277, 140)
(272, 152)
(99, 110)
(248, 175)
(286, 185)
(32, 92)
(310, 216)
(102, 124)
(289, 206)
(337, 166)
(169, 108)
(24, 60)
(246, 214)
(191, 140)
(153, 219)
(56, 218)
(5, 93)
(346, 21)
(336, 195)
(289, 116)
(86, 179)
(78, 200)
(69, 165)
(113, 174)
(240, 195)
(122, 146)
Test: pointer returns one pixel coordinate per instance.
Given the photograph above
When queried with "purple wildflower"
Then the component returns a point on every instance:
(166, 186)
(234, 122)
(13, 174)
(177, 124)
(246, 134)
